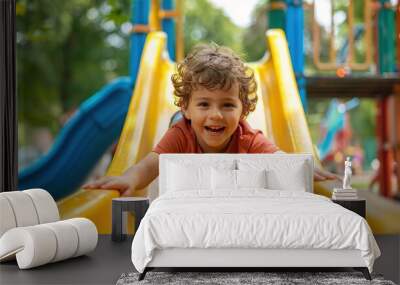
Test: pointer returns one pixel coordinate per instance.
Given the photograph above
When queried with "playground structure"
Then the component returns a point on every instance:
(90, 132)
(98, 122)
(380, 19)
(333, 123)
(279, 113)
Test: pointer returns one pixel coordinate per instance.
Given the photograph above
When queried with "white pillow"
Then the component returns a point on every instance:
(251, 178)
(236, 179)
(292, 179)
(168, 179)
(282, 173)
(223, 179)
(183, 177)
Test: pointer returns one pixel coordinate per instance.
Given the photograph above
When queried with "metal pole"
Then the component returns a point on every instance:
(386, 62)
(294, 29)
(397, 100)
(180, 53)
(140, 27)
(277, 14)
(168, 25)
(8, 108)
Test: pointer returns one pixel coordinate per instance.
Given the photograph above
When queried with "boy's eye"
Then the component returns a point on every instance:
(202, 104)
(229, 105)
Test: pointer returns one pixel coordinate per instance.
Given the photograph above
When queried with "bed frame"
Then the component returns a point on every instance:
(241, 259)
(246, 259)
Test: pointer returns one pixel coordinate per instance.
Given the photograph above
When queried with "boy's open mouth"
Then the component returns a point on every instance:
(215, 130)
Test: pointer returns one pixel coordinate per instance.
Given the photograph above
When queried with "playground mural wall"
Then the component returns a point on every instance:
(79, 62)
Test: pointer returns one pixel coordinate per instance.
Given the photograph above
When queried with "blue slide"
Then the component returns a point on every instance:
(81, 143)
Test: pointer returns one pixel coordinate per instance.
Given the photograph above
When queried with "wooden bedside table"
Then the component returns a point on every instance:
(358, 206)
(136, 205)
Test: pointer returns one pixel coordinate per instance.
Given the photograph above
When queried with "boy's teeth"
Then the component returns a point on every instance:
(215, 129)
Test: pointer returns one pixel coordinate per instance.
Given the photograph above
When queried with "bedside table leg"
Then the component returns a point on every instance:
(116, 233)
(139, 210)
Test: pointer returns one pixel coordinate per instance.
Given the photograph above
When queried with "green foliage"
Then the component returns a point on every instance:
(205, 23)
(201, 27)
(120, 11)
(363, 119)
(66, 50)
(254, 43)
(316, 112)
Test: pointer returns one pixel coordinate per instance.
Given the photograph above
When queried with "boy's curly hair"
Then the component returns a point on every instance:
(214, 67)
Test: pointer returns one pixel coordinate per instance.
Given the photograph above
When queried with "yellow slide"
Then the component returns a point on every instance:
(148, 117)
(279, 114)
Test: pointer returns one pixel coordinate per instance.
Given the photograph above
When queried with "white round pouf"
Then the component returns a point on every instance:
(31, 232)
(67, 239)
(33, 246)
(7, 217)
(45, 205)
(87, 234)
(23, 208)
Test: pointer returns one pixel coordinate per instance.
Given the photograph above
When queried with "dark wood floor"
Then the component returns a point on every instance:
(389, 262)
(110, 260)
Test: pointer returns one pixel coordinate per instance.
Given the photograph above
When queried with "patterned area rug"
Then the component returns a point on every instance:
(229, 278)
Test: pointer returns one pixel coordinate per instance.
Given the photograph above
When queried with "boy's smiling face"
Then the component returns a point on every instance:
(214, 115)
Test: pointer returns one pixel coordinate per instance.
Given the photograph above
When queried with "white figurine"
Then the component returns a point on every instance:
(347, 174)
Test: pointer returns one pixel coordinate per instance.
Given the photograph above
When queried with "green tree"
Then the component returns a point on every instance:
(254, 43)
(204, 23)
(66, 50)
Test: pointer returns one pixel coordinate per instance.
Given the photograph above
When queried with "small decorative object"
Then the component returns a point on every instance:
(346, 192)
(347, 174)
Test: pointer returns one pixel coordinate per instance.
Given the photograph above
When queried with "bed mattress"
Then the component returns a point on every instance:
(250, 219)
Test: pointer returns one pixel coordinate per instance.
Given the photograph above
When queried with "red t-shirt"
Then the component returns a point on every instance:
(180, 138)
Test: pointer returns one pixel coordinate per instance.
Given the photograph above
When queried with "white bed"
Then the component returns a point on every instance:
(251, 211)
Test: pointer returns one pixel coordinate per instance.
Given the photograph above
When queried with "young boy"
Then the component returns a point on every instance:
(215, 92)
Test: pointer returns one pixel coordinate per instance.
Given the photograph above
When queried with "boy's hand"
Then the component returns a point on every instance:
(322, 175)
(121, 183)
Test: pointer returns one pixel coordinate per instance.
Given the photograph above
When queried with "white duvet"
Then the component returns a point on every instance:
(253, 218)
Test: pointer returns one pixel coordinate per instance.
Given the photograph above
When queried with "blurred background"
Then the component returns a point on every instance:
(67, 50)
(81, 64)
